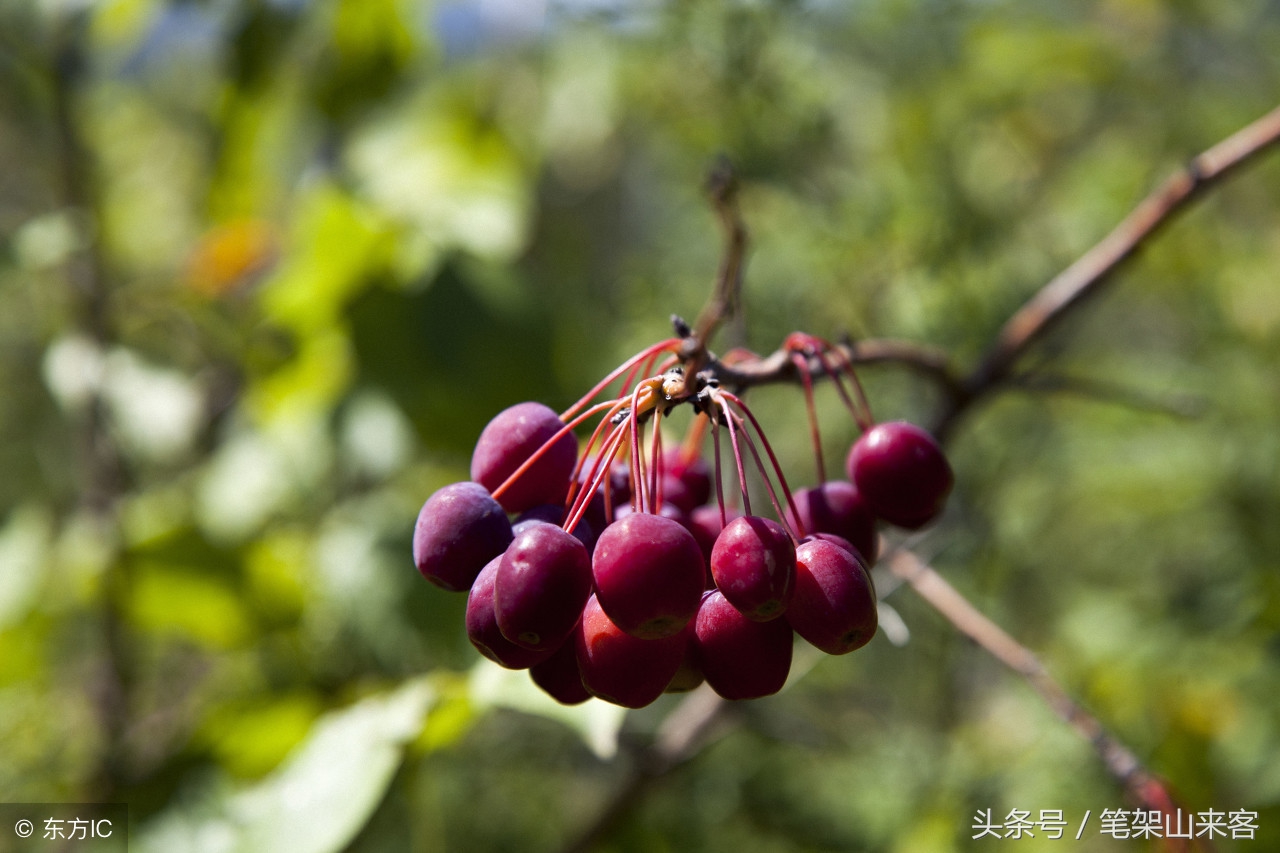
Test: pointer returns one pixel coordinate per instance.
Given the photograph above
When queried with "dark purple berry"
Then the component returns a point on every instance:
(740, 658)
(834, 607)
(459, 529)
(687, 484)
(754, 565)
(649, 575)
(902, 473)
(837, 507)
(482, 625)
(621, 668)
(543, 580)
(558, 675)
(511, 438)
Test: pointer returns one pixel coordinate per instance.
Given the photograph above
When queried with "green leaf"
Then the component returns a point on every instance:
(319, 798)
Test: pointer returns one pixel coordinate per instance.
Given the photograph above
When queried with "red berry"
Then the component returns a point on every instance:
(704, 524)
(902, 473)
(740, 658)
(685, 484)
(838, 507)
(754, 565)
(558, 675)
(482, 625)
(542, 582)
(649, 575)
(459, 529)
(508, 440)
(834, 607)
(621, 668)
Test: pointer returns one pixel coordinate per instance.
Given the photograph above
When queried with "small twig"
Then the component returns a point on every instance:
(780, 367)
(725, 302)
(1095, 267)
(681, 736)
(1120, 761)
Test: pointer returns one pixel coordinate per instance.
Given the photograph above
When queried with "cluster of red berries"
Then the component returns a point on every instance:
(626, 580)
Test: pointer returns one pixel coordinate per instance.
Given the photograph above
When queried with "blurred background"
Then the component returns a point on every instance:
(267, 267)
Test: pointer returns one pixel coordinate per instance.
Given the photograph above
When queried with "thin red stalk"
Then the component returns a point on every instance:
(609, 452)
(669, 344)
(655, 461)
(715, 442)
(768, 486)
(861, 410)
(807, 382)
(537, 454)
(782, 480)
(737, 454)
(578, 494)
(869, 420)
(637, 454)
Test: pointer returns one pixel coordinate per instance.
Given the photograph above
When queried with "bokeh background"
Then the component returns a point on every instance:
(267, 267)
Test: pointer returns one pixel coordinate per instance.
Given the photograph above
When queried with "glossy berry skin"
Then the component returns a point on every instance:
(649, 575)
(623, 669)
(514, 435)
(704, 524)
(551, 514)
(754, 565)
(834, 607)
(558, 675)
(902, 473)
(740, 658)
(482, 625)
(838, 507)
(542, 582)
(459, 529)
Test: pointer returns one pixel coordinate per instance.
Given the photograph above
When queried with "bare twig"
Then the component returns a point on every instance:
(1120, 761)
(725, 302)
(683, 733)
(1095, 267)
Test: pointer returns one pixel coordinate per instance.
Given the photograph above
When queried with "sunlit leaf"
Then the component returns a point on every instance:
(319, 798)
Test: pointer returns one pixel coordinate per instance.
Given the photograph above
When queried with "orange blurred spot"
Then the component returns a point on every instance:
(232, 256)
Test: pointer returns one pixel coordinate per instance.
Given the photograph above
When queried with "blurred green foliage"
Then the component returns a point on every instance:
(268, 266)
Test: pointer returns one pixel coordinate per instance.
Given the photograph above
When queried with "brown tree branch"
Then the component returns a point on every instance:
(683, 733)
(1142, 786)
(1095, 267)
(726, 301)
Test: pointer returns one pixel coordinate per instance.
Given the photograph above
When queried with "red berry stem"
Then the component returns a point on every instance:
(729, 417)
(583, 492)
(815, 347)
(616, 406)
(715, 443)
(600, 475)
(546, 445)
(807, 382)
(862, 416)
(669, 345)
(656, 462)
(773, 459)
